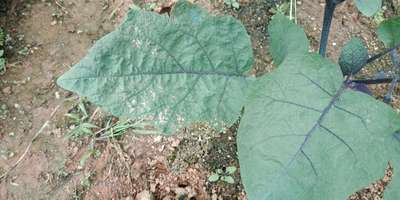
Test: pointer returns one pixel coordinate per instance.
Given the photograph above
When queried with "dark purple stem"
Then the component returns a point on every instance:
(373, 81)
(328, 15)
(374, 57)
(396, 65)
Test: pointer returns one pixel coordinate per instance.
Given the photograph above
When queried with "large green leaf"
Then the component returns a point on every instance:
(306, 136)
(179, 69)
(369, 7)
(285, 37)
(353, 57)
(389, 32)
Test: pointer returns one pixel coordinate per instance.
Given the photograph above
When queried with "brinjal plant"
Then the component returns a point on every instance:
(307, 132)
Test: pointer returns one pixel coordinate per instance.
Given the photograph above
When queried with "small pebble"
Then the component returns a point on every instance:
(175, 143)
(7, 90)
(157, 139)
(153, 187)
(144, 195)
(11, 154)
(14, 184)
(57, 94)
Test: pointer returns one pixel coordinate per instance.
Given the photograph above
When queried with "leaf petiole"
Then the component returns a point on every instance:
(396, 65)
(374, 57)
(373, 81)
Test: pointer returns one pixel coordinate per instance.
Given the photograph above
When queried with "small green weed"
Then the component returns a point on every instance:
(2, 62)
(2, 59)
(379, 16)
(24, 51)
(232, 3)
(83, 127)
(150, 6)
(282, 9)
(223, 175)
(286, 8)
(86, 180)
(2, 37)
(114, 130)
(80, 123)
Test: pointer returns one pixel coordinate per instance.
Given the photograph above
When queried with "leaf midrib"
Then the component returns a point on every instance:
(223, 74)
(318, 123)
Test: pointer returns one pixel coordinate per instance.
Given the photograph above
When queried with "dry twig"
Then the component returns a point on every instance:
(30, 144)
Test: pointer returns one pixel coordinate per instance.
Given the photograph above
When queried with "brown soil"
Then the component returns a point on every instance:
(48, 37)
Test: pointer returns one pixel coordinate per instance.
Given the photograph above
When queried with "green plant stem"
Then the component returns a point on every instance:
(374, 57)
(396, 65)
(395, 59)
(328, 15)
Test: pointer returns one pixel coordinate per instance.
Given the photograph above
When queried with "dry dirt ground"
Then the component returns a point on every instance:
(47, 37)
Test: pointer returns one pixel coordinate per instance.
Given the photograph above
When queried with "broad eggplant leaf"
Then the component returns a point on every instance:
(285, 37)
(368, 7)
(353, 57)
(176, 70)
(389, 32)
(305, 135)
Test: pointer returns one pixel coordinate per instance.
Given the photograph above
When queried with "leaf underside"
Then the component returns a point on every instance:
(389, 32)
(306, 136)
(179, 69)
(368, 7)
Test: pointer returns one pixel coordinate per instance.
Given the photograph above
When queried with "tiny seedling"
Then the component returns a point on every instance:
(2, 38)
(115, 130)
(2, 47)
(80, 124)
(24, 51)
(82, 127)
(379, 17)
(282, 9)
(2, 62)
(232, 3)
(223, 175)
(150, 6)
(86, 179)
(307, 132)
(89, 151)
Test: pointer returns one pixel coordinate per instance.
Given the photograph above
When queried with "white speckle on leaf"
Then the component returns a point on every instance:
(136, 43)
(162, 116)
(152, 94)
(180, 118)
(154, 51)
